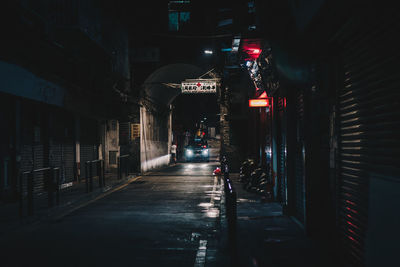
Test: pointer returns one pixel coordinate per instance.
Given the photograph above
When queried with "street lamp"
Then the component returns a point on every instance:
(208, 52)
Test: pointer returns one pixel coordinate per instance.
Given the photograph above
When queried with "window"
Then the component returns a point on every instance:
(179, 14)
(114, 125)
(173, 21)
(112, 158)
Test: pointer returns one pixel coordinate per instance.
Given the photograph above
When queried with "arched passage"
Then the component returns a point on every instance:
(155, 89)
(155, 113)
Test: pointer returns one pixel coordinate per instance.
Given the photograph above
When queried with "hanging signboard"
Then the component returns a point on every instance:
(135, 131)
(202, 86)
(258, 102)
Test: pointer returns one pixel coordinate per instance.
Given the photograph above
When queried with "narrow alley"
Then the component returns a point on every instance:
(246, 133)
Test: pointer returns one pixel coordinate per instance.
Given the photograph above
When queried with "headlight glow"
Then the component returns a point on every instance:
(205, 151)
(189, 152)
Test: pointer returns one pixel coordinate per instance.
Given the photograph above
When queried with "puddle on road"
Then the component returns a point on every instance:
(243, 200)
(259, 217)
(212, 213)
(205, 205)
(213, 192)
(209, 209)
(277, 240)
(274, 229)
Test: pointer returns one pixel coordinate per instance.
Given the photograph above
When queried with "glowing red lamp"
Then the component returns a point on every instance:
(263, 95)
(258, 102)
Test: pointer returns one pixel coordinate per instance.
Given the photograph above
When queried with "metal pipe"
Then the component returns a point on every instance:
(49, 176)
(21, 196)
(102, 174)
(119, 167)
(58, 178)
(87, 177)
(30, 193)
(91, 176)
(42, 169)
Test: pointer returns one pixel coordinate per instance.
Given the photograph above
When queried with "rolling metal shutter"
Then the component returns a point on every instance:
(88, 147)
(69, 160)
(68, 149)
(61, 154)
(55, 142)
(89, 152)
(300, 161)
(7, 111)
(33, 154)
(368, 124)
(282, 151)
(26, 163)
(38, 163)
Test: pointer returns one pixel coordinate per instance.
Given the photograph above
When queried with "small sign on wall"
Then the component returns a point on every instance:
(199, 87)
(135, 130)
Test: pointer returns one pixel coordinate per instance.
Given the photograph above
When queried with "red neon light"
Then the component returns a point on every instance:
(351, 231)
(204, 146)
(263, 95)
(352, 239)
(252, 47)
(351, 224)
(259, 102)
(255, 51)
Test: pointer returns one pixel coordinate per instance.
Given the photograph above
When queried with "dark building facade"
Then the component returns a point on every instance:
(333, 120)
(64, 73)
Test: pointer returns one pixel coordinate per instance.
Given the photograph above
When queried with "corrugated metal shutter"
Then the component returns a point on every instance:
(26, 163)
(69, 161)
(282, 174)
(300, 161)
(55, 154)
(40, 156)
(68, 149)
(61, 154)
(368, 123)
(7, 111)
(33, 154)
(88, 153)
(88, 146)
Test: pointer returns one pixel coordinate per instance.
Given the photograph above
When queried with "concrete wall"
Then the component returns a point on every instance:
(383, 222)
(155, 136)
(110, 129)
(18, 81)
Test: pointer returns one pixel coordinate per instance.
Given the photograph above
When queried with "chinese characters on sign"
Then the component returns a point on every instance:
(199, 86)
(135, 131)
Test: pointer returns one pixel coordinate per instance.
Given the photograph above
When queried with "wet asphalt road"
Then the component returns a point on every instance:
(166, 218)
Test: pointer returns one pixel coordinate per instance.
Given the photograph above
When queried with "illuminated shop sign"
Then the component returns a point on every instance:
(199, 87)
(259, 102)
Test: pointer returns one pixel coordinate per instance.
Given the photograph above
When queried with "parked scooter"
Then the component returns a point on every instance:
(255, 179)
(246, 169)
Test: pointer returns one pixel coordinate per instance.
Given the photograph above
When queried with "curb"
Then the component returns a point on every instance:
(57, 213)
